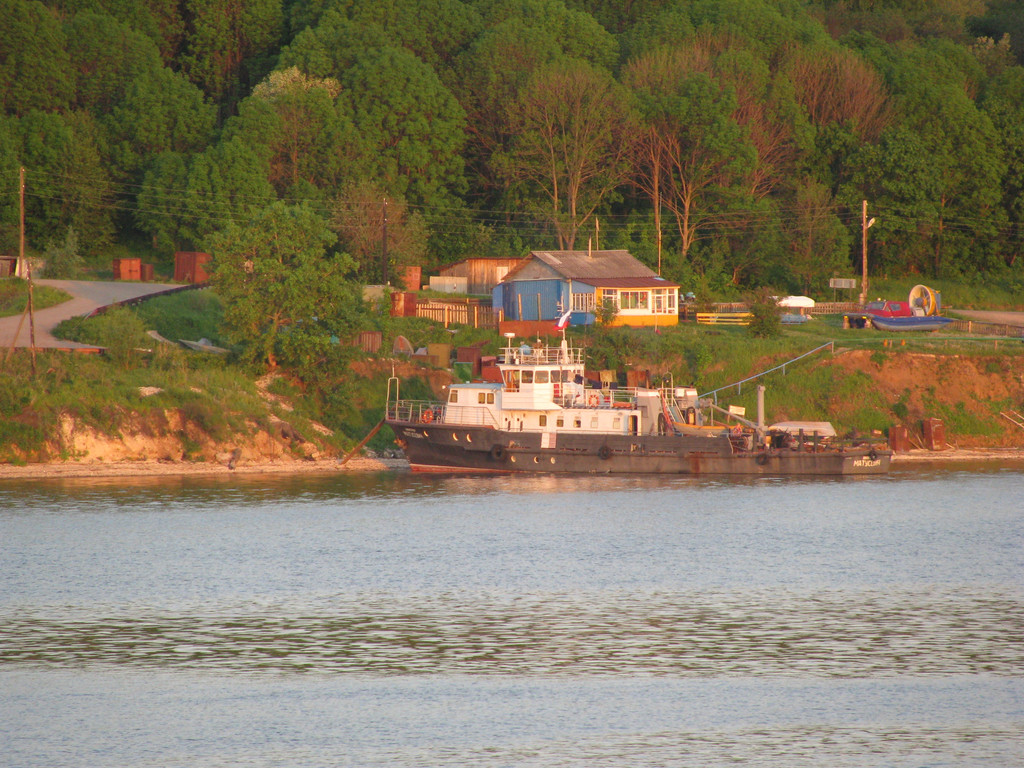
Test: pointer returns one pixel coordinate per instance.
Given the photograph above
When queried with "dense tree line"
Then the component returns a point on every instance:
(725, 142)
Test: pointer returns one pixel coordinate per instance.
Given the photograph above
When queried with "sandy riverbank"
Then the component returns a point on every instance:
(61, 469)
(75, 469)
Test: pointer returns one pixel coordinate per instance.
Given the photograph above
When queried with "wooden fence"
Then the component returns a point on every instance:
(457, 313)
(987, 329)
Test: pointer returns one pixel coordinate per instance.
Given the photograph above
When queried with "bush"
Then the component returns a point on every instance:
(765, 321)
(63, 259)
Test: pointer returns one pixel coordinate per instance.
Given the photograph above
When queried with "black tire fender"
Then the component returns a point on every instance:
(499, 452)
(873, 454)
(604, 452)
(762, 459)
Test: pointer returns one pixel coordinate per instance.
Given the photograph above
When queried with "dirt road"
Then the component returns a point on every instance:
(87, 295)
(986, 316)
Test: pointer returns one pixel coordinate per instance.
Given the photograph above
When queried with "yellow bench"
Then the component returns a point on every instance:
(723, 318)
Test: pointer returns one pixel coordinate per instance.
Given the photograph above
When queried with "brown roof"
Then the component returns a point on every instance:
(578, 265)
(627, 282)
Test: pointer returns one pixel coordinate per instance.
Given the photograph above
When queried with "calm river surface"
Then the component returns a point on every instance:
(392, 620)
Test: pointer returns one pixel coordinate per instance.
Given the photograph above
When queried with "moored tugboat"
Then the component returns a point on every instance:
(544, 416)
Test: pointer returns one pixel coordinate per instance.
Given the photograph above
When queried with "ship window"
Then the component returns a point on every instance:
(577, 423)
(593, 422)
(542, 420)
(512, 381)
(490, 398)
(617, 423)
(453, 396)
(560, 422)
(527, 377)
(481, 397)
(541, 377)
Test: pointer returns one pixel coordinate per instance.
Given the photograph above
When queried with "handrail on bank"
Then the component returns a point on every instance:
(739, 384)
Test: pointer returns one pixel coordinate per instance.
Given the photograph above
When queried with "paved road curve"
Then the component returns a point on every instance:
(86, 295)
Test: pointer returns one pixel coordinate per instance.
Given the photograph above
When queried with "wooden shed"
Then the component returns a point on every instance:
(481, 273)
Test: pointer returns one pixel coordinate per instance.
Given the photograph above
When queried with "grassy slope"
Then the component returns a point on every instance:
(861, 388)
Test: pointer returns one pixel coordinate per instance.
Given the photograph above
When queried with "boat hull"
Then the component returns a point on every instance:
(448, 448)
(910, 323)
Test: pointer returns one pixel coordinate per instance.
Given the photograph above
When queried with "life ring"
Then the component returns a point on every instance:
(499, 452)
(427, 416)
(593, 400)
(762, 459)
(604, 452)
(873, 454)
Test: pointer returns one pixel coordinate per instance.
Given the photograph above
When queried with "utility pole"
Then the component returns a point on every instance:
(865, 225)
(384, 242)
(28, 267)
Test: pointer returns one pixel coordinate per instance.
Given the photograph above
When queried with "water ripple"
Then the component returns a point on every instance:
(828, 634)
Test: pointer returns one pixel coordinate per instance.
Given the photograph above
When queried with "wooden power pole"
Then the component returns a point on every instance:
(28, 267)
(865, 225)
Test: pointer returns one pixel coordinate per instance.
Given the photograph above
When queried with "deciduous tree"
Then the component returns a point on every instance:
(284, 296)
(697, 154)
(572, 143)
(364, 216)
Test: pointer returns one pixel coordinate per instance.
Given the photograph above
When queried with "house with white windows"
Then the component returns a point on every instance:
(548, 284)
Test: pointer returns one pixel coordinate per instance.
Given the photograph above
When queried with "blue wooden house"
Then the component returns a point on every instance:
(548, 284)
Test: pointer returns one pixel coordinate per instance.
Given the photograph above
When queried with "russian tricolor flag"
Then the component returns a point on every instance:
(563, 321)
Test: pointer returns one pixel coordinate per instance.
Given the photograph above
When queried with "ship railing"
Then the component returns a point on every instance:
(415, 411)
(527, 355)
(599, 398)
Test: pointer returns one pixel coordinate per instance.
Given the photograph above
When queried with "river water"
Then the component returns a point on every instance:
(392, 620)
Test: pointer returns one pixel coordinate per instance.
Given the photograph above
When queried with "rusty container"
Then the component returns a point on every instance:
(469, 355)
(899, 439)
(403, 304)
(147, 273)
(410, 277)
(934, 434)
(127, 269)
(190, 267)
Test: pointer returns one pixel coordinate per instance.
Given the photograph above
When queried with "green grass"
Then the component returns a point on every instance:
(14, 296)
(190, 315)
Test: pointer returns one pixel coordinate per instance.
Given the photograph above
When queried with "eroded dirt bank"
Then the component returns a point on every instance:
(168, 445)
